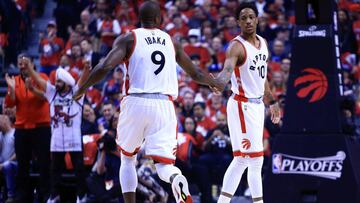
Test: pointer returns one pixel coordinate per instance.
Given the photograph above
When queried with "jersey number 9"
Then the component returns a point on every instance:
(155, 59)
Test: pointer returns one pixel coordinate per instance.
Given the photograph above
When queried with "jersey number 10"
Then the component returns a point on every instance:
(261, 70)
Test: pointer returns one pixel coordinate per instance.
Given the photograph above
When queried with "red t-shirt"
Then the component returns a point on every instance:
(184, 140)
(49, 57)
(89, 151)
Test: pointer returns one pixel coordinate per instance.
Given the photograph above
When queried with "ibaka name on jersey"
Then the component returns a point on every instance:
(154, 40)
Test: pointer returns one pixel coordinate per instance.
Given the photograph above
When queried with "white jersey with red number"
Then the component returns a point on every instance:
(152, 64)
(252, 73)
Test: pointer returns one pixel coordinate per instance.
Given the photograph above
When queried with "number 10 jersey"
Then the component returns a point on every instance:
(248, 79)
(151, 65)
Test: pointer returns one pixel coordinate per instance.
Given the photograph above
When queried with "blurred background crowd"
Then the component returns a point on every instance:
(84, 30)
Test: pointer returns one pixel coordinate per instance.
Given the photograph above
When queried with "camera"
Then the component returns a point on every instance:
(107, 143)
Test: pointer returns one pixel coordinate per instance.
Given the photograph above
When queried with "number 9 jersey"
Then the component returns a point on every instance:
(151, 66)
(248, 79)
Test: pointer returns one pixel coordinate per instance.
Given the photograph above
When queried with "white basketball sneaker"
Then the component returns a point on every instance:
(180, 190)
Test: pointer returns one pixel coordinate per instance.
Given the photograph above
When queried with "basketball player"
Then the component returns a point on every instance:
(147, 112)
(246, 66)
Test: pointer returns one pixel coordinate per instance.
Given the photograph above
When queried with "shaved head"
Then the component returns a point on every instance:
(150, 13)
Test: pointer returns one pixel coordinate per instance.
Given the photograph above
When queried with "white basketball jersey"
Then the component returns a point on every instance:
(152, 64)
(252, 74)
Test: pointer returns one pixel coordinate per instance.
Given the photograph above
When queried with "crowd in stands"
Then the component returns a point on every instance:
(15, 27)
(84, 30)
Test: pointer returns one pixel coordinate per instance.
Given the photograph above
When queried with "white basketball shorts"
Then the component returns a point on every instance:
(149, 120)
(246, 126)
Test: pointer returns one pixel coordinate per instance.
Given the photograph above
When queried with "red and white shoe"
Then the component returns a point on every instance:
(180, 188)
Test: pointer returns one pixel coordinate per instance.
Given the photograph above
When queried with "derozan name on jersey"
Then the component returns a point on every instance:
(326, 167)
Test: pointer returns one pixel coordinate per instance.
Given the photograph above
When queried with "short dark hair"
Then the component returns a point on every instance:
(246, 5)
(148, 11)
(201, 104)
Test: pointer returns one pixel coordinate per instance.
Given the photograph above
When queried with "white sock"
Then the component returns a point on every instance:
(232, 178)
(223, 199)
(165, 171)
(128, 175)
(254, 177)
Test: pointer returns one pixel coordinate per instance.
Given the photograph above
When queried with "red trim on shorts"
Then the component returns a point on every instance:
(130, 154)
(249, 154)
(242, 118)
(161, 159)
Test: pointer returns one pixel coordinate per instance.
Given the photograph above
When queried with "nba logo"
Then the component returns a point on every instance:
(276, 163)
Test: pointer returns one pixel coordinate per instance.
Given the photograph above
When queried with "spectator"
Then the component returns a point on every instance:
(105, 170)
(204, 123)
(261, 7)
(108, 29)
(149, 187)
(278, 51)
(215, 106)
(88, 124)
(50, 49)
(277, 84)
(196, 48)
(88, 23)
(190, 128)
(32, 130)
(197, 18)
(264, 28)
(76, 59)
(217, 146)
(346, 34)
(66, 128)
(107, 111)
(218, 55)
(187, 160)
(65, 64)
(88, 52)
(179, 27)
(231, 29)
(285, 68)
(188, 102)
(8, 164)
(75, 38)
(125, 13)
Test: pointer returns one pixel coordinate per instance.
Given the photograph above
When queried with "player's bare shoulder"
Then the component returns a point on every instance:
(236, 49)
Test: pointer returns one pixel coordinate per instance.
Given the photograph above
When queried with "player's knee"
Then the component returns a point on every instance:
(128, 159)
(165, 171)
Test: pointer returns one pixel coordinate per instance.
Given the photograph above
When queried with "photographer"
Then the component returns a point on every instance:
(103, 182)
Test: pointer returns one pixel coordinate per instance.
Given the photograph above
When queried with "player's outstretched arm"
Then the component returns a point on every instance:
(195, 73)
(116, 56)
(235, 54)
(85, 74)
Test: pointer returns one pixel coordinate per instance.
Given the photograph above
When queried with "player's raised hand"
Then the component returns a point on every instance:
(275, 113)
